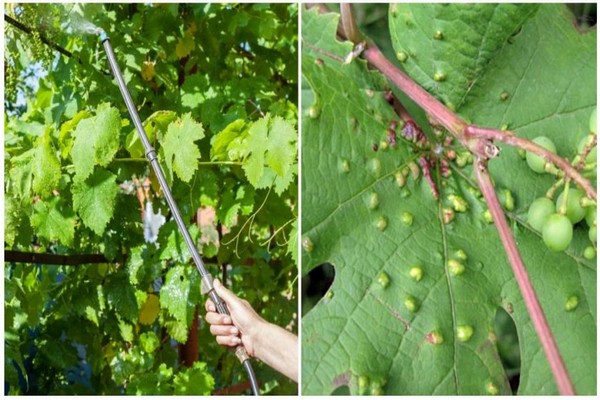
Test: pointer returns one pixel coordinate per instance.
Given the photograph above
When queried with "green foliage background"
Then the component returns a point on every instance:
(377, 329)
(216, 87)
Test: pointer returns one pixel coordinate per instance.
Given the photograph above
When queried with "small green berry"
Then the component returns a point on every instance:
(416, 273)
(535, 162)
(401, 56)
(592, 234)
(407, 218)
(557, 232)
(571, 303)
(589, 253)
(522, 154)
(456, 267)
(539, 211)
(438, 35)
(411, 304)
(503, 96)
(329, 294)
(383, 145)
(383, 279)
(464, 333)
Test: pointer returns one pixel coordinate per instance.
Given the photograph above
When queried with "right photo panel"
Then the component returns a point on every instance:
(448, 217)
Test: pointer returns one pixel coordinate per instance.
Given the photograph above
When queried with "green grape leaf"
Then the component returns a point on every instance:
(96, 140)
(179, 296)
(94, 199)
(270, 150)
(235, 201)
(121, 297)
(196, 380)
(149, 341)
(158, 121)
(172, 245)
(45, 166)
(435, 334)
(180, 153)
(221, 142)
(54, 220)
(435, 43)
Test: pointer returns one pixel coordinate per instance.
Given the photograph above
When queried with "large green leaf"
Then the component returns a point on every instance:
(94, 199)
(453, 40)
(181, 154)
(96, 140)
(404, 336)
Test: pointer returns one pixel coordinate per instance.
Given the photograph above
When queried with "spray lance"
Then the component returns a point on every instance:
(206, 277)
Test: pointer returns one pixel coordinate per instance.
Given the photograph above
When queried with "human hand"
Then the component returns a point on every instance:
(239, 328)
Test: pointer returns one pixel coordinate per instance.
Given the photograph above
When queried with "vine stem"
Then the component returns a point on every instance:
(511, 139)
(469, 135)
(565, 386)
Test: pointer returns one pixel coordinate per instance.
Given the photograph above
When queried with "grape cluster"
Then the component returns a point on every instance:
(556, 219)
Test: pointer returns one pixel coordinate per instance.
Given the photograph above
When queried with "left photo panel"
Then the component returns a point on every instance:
(151, 199)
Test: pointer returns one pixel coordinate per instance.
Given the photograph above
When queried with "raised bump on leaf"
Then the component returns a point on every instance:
(456, 267)
(381, 223)
(383, 279)
(416, 273)
(571, 303)
(464, 333)
(411, 304)
(407, 218)
(307, 244)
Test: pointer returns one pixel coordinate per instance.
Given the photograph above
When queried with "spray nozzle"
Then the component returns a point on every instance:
(102, 34)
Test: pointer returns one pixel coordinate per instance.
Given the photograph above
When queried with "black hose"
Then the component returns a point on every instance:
(207, 280)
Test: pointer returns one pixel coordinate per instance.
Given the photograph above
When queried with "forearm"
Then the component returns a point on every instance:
(277, 348)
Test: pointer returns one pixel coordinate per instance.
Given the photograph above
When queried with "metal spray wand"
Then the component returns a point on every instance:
(206, 277)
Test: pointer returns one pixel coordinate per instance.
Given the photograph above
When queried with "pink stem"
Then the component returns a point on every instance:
(565, 386)
(430, 104)
(519, 142)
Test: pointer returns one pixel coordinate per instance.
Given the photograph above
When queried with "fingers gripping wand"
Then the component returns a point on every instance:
(206, 278)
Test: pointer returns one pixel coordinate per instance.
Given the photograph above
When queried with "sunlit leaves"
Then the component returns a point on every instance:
(94, 199)
(96, 140)
(181, 154)
(54, 220)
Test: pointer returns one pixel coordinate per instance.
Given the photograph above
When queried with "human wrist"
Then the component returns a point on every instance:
(257, 335)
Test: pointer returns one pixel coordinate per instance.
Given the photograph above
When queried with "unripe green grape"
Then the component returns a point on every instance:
(590, 216)
(592, 155)
(574, 210)
(557, 232)
(535, 162)
(589, 253)
(539, 211)
(593, 234)
(594, 121)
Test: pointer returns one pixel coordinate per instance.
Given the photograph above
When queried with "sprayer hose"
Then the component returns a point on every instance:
(252, 377)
